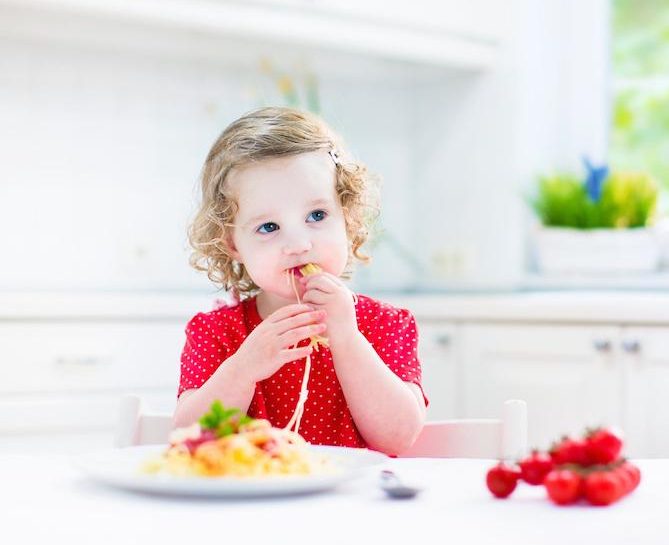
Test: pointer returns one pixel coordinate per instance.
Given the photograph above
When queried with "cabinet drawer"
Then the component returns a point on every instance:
(93, 355)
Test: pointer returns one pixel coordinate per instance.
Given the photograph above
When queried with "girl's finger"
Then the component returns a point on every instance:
(288, 355)
(323, 283)
(316, 297)
(294, 336)
(327, 277)
(298, 320)
(287, 312)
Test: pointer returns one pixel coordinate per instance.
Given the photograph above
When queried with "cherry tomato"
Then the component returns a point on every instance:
(634, 474)
(570, 451)
(534, 468)
(626, 479)
(563, 486)
(603, 487)
(502, 480)
(603, 446)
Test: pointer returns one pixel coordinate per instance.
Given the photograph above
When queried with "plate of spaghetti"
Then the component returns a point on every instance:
(228, 454)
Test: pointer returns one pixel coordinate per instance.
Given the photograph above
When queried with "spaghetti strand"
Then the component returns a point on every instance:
(296, 419)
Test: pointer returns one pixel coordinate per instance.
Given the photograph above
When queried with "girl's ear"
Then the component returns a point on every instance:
(232, 249)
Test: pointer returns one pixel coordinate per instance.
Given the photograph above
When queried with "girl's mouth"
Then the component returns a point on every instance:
(296, 271)
(304, 270)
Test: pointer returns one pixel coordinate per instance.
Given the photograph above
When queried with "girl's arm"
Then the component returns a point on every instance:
(230, 383)
(268, 347)
(388, 412)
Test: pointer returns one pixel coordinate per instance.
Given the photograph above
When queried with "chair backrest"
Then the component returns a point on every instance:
(503, 438)
(137, 426)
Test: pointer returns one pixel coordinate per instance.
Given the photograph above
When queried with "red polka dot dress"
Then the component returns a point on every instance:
(214, 336)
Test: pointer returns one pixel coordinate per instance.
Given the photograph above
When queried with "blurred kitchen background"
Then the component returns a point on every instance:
(109, 107)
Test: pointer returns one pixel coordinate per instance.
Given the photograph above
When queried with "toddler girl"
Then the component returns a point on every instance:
(279, 192)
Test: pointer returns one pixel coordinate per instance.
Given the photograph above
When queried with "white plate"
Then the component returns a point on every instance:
(121, 468)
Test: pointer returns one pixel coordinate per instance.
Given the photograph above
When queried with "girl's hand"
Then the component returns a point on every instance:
(268, 347)
(327, 292)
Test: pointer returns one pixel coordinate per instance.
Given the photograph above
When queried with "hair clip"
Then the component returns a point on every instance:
(335, 157)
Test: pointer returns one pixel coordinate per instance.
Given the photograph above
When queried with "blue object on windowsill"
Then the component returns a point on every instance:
(595, 179)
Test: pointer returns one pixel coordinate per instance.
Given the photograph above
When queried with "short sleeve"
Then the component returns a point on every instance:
(205, 349)
(394, 336)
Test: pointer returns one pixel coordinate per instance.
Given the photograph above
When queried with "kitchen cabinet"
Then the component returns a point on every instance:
(428, 32)
(438, 345)
(578, 360)
(644, 353)
(74, 376)
(61, 374)
(478, 19)
(69, 357)
(572, 376)
(89, 356)
(568, 375)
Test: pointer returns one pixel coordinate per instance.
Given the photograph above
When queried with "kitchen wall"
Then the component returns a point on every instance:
(102, 146)
(541, 107)
(102, 150)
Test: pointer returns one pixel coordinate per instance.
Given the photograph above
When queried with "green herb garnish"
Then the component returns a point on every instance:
(223, 421)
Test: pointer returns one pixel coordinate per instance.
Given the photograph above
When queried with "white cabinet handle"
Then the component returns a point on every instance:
(632, 346)
(80, 361)
(602, 345)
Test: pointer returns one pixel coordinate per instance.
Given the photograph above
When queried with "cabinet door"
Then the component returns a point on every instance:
(568, 375)
(645, 352)
(437, 351)
(89, 356)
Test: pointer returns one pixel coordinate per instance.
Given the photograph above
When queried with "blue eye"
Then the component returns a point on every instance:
(317, 215)
(267, 227)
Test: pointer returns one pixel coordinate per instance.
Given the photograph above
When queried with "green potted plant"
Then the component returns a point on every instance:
(597, 225)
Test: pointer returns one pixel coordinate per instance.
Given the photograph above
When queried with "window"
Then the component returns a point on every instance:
(640, 120)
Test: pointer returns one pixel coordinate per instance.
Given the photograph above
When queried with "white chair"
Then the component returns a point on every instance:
(503, 438)
(138, 426)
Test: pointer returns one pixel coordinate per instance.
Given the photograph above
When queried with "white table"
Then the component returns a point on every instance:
(48, 501)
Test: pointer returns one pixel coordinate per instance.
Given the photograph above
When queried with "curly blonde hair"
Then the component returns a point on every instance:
(262, 134)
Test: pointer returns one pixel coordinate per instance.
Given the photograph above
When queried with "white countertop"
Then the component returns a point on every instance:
(103, 305)
(46, 500)
(550, 306)
(633, 307)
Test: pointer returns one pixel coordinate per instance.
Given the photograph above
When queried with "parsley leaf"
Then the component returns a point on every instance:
(221, 419)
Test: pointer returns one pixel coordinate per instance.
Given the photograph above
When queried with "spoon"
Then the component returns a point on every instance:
(395, 488)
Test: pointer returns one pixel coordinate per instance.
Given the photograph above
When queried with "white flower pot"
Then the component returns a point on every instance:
(662, 229)
(596, 251)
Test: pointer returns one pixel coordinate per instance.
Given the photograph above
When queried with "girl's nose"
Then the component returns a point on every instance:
(297, 245)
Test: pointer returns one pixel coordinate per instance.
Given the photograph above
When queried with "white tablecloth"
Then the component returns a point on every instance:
(47, 500)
